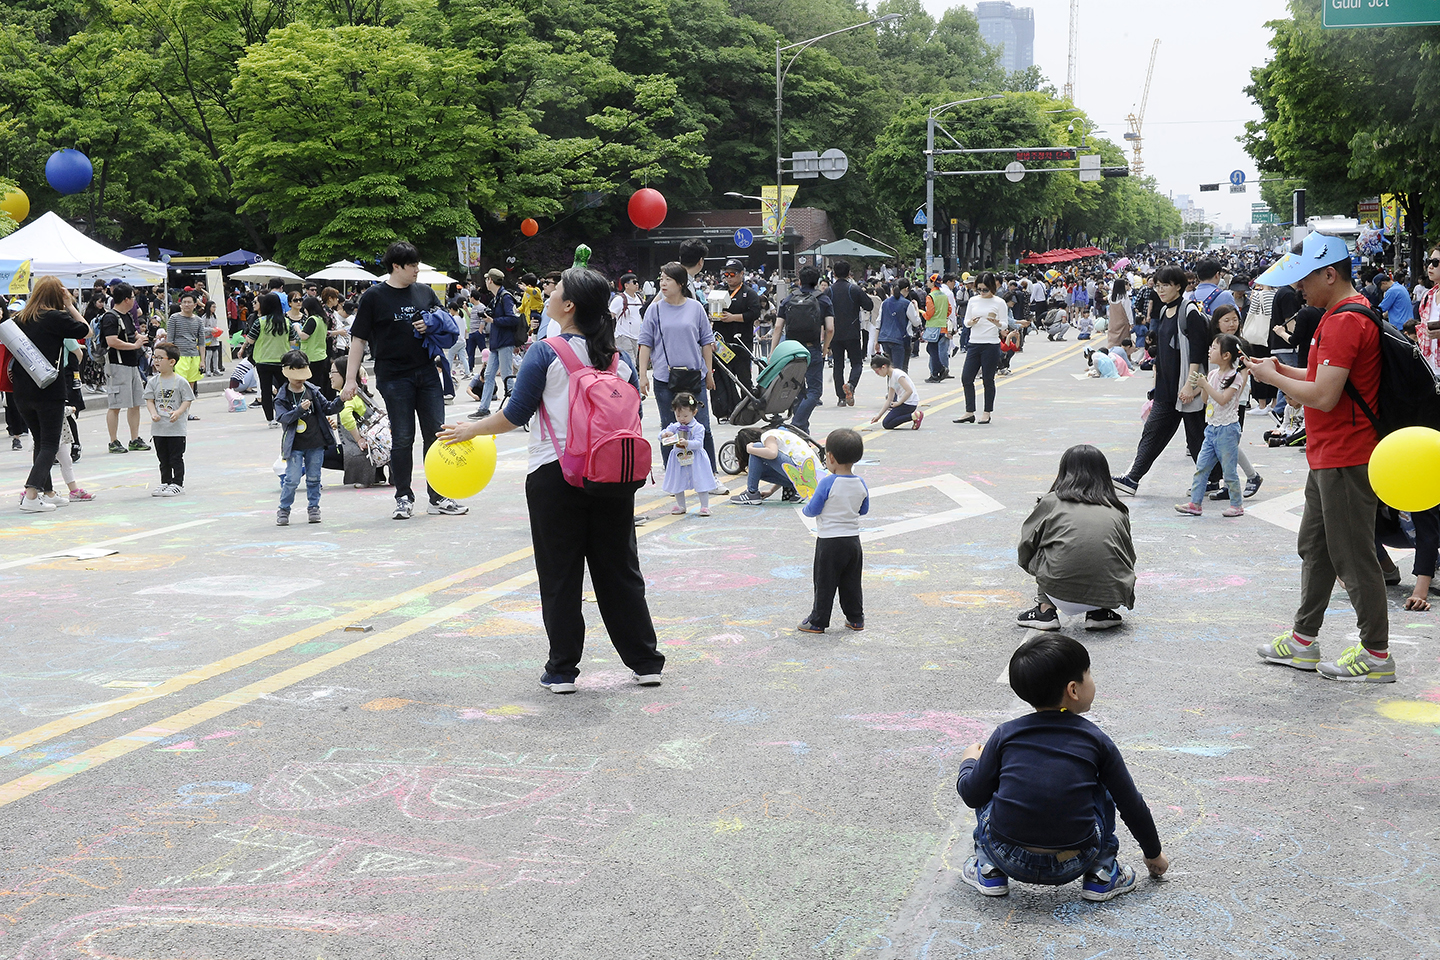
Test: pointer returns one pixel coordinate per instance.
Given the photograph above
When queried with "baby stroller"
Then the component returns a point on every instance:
(778, 389)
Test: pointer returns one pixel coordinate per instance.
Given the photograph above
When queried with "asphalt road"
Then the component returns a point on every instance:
(229, 740)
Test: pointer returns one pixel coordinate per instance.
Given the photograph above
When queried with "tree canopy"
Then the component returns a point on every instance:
(313, 130)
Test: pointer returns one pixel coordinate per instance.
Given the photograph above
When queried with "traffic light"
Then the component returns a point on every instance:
(1115, 171)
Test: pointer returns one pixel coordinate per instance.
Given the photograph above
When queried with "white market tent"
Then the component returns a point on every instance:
(265, 270)
(429, 276)
(56, 249)
(343, 270)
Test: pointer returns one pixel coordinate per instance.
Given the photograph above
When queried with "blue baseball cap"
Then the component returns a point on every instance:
(1316, 251)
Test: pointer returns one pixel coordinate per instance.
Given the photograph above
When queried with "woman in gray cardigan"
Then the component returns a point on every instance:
(1076, 543)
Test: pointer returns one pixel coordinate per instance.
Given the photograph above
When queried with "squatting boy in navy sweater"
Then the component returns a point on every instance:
(1046, 786)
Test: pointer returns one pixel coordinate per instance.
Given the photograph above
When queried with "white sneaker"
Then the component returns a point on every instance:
(159, 490)
(448, 507)
(56, 499)
(174, 490)
(36, 506)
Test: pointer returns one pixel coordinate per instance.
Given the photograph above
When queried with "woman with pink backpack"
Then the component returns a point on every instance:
(582, 481)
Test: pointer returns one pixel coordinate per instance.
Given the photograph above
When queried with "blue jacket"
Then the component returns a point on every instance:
(504, 321)
(288, 413)
(894, 320)
(441, 332)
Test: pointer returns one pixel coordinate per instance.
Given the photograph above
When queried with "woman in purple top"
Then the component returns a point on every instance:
(677, 335)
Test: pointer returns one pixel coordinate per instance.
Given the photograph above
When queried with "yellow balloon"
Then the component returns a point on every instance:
(1405, 469)
(460, 470)
(15, 204)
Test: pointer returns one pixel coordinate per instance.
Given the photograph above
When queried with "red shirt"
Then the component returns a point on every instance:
(1344, 437)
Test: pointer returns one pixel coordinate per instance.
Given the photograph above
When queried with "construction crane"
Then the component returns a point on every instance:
(1137, 120)
(1074, 43)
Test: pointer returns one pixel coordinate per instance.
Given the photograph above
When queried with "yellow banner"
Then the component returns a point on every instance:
(775, 205)
(15, 277)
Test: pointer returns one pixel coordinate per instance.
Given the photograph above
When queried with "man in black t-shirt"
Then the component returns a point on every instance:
(848, 301)
(391, 319)
(123, 385)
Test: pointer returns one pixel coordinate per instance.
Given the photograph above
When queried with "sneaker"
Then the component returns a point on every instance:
(174, 490)
(313, 514)
(35, 506)
(15, 444)
(192, 417)
(403, 509)
(115, 446)
(1359, 665)
(1102, 619)
(915, 420)
(56, 499)
(849, 395)
(80, 496)
(556, 683)
(477, 415)
(1211, 485)
(282, 518)
(159, 490)
(1097, 889)
(1252, 486)
(1222, 494)
(138, 444)
(990, 881)
(1188, 509)
(647, 679)
(448, 507)
(704, 511)
(857, 627)
(1285, 649)
(1233, 512)
(748, 499)
(807, 627)
(1038, 619)
(1125, 484)
(792, 496)
(720, 491)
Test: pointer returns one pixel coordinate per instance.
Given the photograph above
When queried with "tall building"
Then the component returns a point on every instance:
(1010, 29)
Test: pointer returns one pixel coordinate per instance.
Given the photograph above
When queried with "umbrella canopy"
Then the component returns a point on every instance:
(342, 270)
(429, 276)
(142, 252)
(265, 270)
(236, 258)
(848, 248)
(57, 249)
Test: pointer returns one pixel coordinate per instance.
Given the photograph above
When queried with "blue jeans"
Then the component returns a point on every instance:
(408, 398)
(1222, 444)
(1026, 866)
(664, 397)
(898, 353)
(938, 357)
(814, 384)
(769, 471)
(305, 463)
(500, 359)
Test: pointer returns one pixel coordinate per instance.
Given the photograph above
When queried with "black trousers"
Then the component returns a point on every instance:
(571, 530)
(271, 378)
(838, 562)
(44, 418)
(14, 422)
(320, 376)
(170, 451)
(839, 349)
(981, 358)
(1160, 427)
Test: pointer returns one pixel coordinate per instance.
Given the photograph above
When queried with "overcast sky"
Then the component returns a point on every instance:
(1197, 102)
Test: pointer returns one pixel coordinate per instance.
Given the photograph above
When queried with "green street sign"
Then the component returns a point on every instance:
(1380, 13)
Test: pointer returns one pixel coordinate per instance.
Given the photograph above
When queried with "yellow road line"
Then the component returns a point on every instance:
(103, 753)
(101, 711)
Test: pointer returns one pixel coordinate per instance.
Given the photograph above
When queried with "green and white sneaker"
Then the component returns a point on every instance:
(1357, 664)
(1292, 653)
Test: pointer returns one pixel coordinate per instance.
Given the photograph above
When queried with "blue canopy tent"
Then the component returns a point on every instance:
(236, 258)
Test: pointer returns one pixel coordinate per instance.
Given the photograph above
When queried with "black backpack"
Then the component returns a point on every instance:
(1409, 393)
(804, 318)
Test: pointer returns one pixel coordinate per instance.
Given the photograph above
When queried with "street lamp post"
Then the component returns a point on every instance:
(930, 171)
(799, 48)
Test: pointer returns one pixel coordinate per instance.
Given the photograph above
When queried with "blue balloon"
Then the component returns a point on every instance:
(68, 171)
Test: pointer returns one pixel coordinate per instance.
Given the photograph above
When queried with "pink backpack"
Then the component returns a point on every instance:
(605, 453)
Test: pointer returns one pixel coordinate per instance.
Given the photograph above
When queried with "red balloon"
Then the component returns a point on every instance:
(647, 209)
(529, 227)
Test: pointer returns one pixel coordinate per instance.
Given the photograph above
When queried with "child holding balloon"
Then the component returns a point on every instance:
(683, 470)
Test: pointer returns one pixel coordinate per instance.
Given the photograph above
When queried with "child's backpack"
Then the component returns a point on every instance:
(1409, 394)
(605, 454)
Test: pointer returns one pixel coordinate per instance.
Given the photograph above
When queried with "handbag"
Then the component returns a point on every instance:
(932, 334)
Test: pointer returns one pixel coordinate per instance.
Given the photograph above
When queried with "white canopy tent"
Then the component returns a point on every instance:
(429, 276)
(56, 249)
(343, 270)
(265, 270)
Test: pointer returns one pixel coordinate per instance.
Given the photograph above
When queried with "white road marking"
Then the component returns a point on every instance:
(972, 503)
(104, 543)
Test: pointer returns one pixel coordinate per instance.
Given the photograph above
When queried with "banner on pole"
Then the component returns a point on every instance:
(467, 251)
(776, 204)
(15, 277)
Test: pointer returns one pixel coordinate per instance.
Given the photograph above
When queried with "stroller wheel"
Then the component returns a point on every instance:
(728, 458)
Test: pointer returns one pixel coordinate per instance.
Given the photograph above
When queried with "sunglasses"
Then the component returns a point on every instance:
(1432, 262)
(729, 273)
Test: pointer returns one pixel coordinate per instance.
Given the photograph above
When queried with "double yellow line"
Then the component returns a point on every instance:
(86, 760)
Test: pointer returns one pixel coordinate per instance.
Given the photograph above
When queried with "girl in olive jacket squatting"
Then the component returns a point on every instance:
(1076, 543)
